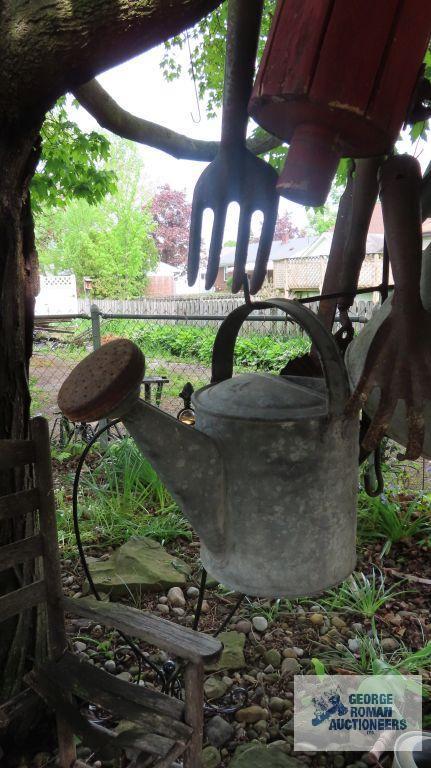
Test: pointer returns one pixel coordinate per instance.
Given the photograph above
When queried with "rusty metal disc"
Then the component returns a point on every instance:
(99, 384)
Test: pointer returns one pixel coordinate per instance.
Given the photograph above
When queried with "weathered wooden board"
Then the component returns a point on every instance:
(21, 599)
(159, 713)
(164, 634)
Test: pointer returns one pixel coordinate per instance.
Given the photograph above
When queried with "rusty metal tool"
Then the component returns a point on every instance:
(398, 362)
(236, 175)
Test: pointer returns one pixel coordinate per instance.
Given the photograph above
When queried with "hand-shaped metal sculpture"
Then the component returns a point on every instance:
(236, 175)
(399, 357)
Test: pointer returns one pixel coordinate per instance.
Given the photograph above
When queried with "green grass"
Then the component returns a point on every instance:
(361, 594)
(121, 496)
(388, 520)
(371, 659)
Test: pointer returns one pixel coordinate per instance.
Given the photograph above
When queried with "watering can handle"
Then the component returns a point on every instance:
(332, 363)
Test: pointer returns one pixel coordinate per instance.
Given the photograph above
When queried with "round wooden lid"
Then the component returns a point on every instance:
(100, 382)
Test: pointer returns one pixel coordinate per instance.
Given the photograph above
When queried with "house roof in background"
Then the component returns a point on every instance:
(322, 246)
(279, 250)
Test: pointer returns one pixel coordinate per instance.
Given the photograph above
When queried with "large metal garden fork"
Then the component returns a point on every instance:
(236, 175)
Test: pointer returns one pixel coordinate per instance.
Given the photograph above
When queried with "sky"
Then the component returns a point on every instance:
(139, 86)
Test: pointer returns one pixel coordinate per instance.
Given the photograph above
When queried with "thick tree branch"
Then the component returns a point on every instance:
(114, 118)
(49, 47)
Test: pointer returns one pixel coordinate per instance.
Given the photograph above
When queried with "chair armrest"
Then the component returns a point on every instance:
(181, 641)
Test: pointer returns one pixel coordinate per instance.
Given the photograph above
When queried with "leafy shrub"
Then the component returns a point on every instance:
(264, 353)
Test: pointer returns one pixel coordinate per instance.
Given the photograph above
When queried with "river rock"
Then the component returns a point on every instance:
(317, 619)
(353, 644)
(276, 704)
(176, 597)
(244, 626)
(214, 688)
(193, 593)
(272, 657)
(290, 667)
(211, 757)
(389, 644)
(140, 564)
(251, 714)
(219, 731)
(232, 656)
(260, 623)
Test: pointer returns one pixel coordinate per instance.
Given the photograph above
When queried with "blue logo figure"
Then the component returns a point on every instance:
(327, 705)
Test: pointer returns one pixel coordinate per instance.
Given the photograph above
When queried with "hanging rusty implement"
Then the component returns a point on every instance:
(337, 79)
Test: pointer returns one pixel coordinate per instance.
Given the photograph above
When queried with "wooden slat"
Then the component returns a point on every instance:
(20, 551)
(164, 634)
(19, 504)
(15, 453)
(21, 599)
(194, 713)
(147, 709)
(96, 736)
(39, 432)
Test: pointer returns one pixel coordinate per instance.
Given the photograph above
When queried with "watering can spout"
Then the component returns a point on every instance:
(106, 384)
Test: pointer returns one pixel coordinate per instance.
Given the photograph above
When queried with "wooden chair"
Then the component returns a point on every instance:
(161, 727)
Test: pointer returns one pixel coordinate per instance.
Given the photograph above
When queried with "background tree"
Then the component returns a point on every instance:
(110, 241)
(285, 228)
(171, 213)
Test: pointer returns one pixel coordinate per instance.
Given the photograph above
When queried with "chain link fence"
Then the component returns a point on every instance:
(177, 350)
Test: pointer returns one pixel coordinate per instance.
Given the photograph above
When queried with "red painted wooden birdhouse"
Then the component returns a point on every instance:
(336, 79)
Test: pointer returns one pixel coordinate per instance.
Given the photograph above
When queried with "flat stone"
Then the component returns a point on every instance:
(232, 656)
(214, 688)
(140, 564)
(260, 623)
(218, 731)
(260, 756)
(290, 667)
(176, 597)
(211, 757)
(251, 714)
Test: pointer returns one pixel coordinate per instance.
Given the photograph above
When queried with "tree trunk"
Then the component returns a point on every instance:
(18, 282)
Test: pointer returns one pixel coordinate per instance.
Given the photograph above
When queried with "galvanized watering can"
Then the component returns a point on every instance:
(267, 477)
